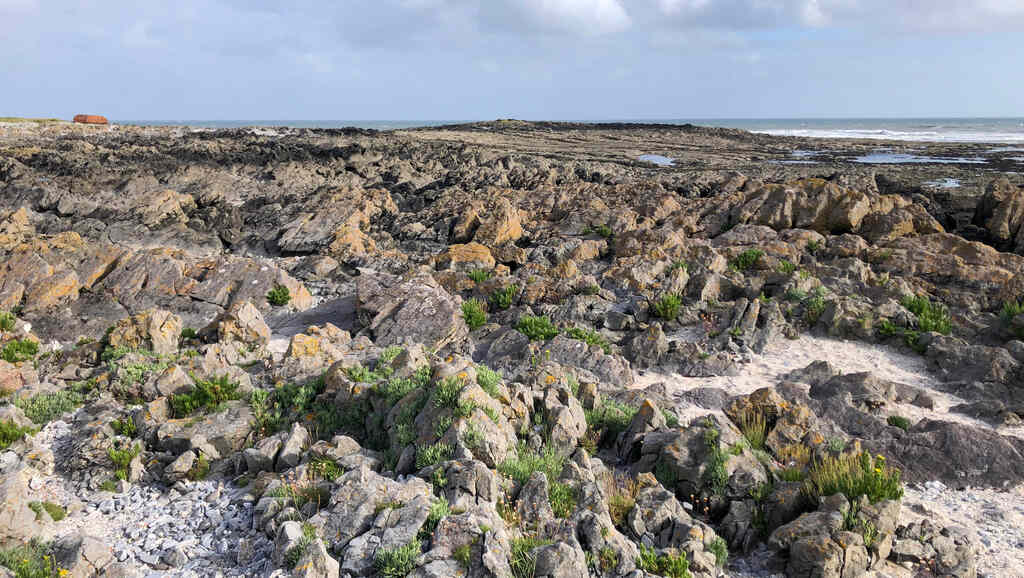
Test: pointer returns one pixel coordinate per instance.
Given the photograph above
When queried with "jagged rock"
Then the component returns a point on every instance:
(647, 348)
(417, 310)
(155, 330)
(244, 323)
(1001, 212)
(316, 563)
(82, 555)
(560, 560)
(17, 521)
(291, 451)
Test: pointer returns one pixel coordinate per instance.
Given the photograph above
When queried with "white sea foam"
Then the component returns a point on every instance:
(882, 134)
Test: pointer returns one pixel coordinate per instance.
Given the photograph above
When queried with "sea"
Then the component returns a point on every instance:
(985, 130)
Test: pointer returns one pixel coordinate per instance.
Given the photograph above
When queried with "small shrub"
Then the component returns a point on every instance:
(433, 454)
(503, 298)
(46, 407)
(754, 426)
(602, 230)
(537, 328)
(207, 395)
(813, 247)
(439, 510)
(610, 418)
(199, 470)
(473, 314)
(667, 307)
(786, 267)
(590, 337)
(396, 389)
(589, 290)
(746, 259)
(462, 555)
(1010, 310)
(279, 295)
(7, 321)
(31, 560)
(562, 498)
(19, 350)
(715, 475)
(836, 444)
(189, 333)
(488, 380)
(448, 392)
(854, 475)
(528, 461)
(930, 316)
(121, 457)
(360, 374)
(325, 467)
(899, 421)
(672, 565)
(791, 474)
(795, 295)
(10, 433)
(124, 427)
(721, 551)
(397, 562)
(56, 512)
(523, 561)
(479, 275)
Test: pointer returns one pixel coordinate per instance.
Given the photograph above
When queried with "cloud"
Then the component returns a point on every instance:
(588, 17)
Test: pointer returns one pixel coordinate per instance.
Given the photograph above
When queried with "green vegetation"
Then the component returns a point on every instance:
(854, 475)
(279, 295)
(439, 510)
(433, 454)
(448, 392)
(395, 389)
(479, 275)
(10, 433)
(32, 560)
(325, 467)
(836, 444)
(360, 374)
(814, 246)
(108, 486)
(721, 551)
(462, 555)
(124, 427)
(397, 562)
(589, 290)
(602, 230)
(746, 259)
(562, 498)
(899, 421)
(537, 328)
(523, 561)
(189, 333)
(754, 426)
(786, 267)
(930, 316)
(503, 298)
(199, 470)
(677, 265)
(46, 407)
(122, 457)
(671, 565)
(715, 475)
(7, 321)
(207, 395)
(609, 419)
(1010, 310)
(488, 380)
(528, 461)
(795, 295)
(814, 306)
(55, 511)
(667, 307)
(473, 314)
(590, 337)
(911, 337)
(296, 552)
(35, 120)
(19, 350)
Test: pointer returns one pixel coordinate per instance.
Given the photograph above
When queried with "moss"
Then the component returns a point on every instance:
(55, 511)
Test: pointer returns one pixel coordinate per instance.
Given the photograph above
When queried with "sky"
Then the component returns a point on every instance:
(528, 59)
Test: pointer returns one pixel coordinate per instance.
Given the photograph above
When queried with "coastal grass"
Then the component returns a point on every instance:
(667, 307)
(397, 562)
(609, 419)
(31, 560)
(523, 561)
(854, 475)
(10, 433)
(930, 316)
(473, 314)
(27, 119)
(590, 337)
(537, 328)
(527, 461)
(46, 407)
(19, 350)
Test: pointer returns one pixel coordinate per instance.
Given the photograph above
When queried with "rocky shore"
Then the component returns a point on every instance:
(508, 349)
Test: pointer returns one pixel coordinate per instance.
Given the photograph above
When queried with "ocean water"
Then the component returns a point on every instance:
(984, 130)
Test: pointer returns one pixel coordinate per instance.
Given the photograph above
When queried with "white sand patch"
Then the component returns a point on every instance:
(786, 355)
(995, 518)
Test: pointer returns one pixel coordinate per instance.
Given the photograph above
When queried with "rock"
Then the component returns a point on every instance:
(82, 555)
(500, 225)
(414, 311)
(244, 323)
(316, 563)
(291, 452)
(179, 468)
(90, 119)
(466, 258)
(560, 560)
(17, 521)
(1000, 211)
(647, 348)
(156, 330)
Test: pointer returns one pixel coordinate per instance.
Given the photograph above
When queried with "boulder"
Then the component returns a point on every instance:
(416, 310)
(242, 322)
(90, 119)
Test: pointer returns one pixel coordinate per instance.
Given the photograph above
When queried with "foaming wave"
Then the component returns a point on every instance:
(917, 135)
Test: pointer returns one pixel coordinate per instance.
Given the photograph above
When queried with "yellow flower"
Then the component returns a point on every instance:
(878, 470)
(63, 572)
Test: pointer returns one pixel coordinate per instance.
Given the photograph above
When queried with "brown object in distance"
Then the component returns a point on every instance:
(90, 119)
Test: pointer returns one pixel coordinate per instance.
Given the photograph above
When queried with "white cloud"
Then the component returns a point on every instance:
(589, 17)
